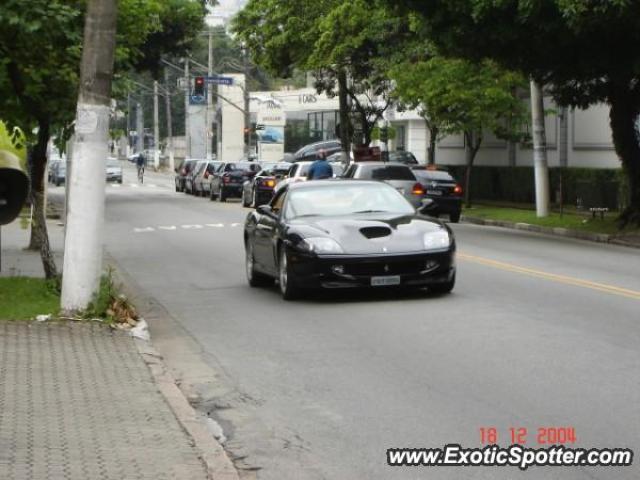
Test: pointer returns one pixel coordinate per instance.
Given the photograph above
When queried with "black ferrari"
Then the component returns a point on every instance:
(346, 233)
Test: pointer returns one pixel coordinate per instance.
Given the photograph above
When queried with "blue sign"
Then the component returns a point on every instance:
(216, 80)
(197, 99)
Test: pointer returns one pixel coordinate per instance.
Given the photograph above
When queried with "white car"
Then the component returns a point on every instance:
(297, 173)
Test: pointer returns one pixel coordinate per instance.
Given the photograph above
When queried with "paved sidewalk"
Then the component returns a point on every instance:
(77, 402)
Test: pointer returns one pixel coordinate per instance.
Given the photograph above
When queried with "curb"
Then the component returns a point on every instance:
(219, 466)
(217, 462)
(555, 231)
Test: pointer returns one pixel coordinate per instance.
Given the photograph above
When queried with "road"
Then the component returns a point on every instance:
(539, 332)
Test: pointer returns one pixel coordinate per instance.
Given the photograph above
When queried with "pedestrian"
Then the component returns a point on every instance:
(320, 169)
(140, 163)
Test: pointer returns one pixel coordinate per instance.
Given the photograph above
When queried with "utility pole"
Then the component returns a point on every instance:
(167, 99)
(208, 117)
(187, 93)
(247, 112)
(85, 219)
(128, 123)
(139, 128)
(541, 168)
(156, 129)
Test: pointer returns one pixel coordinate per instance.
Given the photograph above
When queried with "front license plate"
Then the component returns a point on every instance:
(385, 281)
(434, 192)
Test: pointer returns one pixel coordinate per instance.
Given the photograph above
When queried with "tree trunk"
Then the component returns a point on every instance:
(623, 115)
(85, 219)
(472, 145)
(433, 137)
(39, 234)
(345, 121)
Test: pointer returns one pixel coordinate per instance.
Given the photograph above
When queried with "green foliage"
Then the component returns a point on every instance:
(14, 141)
(457, 95)
(103, 298)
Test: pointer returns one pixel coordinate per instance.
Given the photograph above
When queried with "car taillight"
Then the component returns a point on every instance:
(417, 189)
(457, 190)
(225, 178)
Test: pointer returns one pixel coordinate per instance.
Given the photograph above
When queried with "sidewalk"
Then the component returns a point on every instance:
(78, 402)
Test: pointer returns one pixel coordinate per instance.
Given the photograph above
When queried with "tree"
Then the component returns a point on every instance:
(40, 50)
(458, 96)
(581, 50)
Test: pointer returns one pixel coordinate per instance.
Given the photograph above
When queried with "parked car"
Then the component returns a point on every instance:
(113, 170)
(259, 190)
(201, 181)
(189, 178)
(59, 173)
(52, 166)
(228, 180)
(297, 173)
(443, 191)
(310, 152)
(341, 234)
(401, 156)
(397, 175)
(182, 171)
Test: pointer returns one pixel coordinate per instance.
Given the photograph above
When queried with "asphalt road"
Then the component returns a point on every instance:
(539, 332)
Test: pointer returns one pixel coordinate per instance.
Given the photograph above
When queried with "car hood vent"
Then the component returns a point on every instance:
(375, 232)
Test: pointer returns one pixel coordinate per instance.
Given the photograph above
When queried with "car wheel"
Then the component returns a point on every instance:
(245, 204)
(255, 279)
(254, 200)
(212, 196)
(454, 217)
(285, 278)
(120, 181)
(222, 197)
(444, 287)
(57, 182)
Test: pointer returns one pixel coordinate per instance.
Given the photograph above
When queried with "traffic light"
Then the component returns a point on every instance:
(14, 186)
(199, 86)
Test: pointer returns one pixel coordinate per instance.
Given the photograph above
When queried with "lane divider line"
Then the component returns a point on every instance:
(601, 287)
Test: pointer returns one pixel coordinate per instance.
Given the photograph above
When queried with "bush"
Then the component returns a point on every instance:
(595, 187)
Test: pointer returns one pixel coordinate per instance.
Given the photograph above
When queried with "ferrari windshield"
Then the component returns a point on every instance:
(346, 199)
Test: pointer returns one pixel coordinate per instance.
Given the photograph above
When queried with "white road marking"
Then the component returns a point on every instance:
(171, 227)
(235, 224)
(215, 225)
(192, 227)
(113, 185)
(151, 185)
(143, 230)
(133, 185)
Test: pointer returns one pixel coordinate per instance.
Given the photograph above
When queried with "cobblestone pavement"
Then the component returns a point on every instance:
(78, 402)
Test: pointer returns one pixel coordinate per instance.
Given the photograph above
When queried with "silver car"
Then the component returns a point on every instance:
(397, 175)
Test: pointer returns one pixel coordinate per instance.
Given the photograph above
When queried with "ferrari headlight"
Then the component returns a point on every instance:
(436, 240)
(320, 245)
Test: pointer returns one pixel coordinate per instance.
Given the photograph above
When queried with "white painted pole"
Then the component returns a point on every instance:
(541, 168)
(156, 128)
(208, 116)
(187, 134)
(85, 218)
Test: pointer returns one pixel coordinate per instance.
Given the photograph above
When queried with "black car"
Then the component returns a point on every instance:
(402, 156)
(346, 233)
(227, 181)
(259, 190)
(182, 171)
(443, 192)
(310, 152)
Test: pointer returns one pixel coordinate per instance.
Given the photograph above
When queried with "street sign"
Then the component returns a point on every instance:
(197, 100)
(259, 126)
(217, 80)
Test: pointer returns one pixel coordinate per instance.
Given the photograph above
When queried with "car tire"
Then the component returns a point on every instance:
(212, 196)
(222, 197)
(287, 289)
(255, 279)
(442, 288)
(57, 182)
(254, 199)
(245, 204)
(454, 217)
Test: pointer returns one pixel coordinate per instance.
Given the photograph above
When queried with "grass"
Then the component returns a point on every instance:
(569, 220)
(23, 298)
